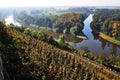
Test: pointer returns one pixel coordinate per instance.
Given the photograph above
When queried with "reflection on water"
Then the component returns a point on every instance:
(95, 44)
(99, 47)
(113, 49)
(68, 37)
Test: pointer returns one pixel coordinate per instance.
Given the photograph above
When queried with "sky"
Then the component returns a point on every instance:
(52, 3)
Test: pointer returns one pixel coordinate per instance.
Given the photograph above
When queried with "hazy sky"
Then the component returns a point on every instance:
(47, 3)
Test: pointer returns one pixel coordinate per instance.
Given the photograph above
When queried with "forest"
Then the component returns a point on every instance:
(107, 21)
(60, 22)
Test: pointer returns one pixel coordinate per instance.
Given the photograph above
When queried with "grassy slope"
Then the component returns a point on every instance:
(28, 59)
(112, 40)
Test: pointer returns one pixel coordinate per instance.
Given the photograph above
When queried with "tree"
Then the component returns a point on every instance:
(62, 40)
(27, 31)
(75, 30)
(50, 40)
(116, 29)
(42, 35)
(34, 34)
(85, 48)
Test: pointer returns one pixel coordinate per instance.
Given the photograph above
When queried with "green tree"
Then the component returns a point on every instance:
(40, 33)
(85, 48)
(62, 40)
(27, 31)
(34, 34)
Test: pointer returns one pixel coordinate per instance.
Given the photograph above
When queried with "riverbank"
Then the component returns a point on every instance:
(109, 39)
(82, 37)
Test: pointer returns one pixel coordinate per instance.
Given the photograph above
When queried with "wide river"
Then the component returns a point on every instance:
(96, 45)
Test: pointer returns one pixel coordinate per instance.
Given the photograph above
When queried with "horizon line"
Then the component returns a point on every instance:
(56, 6)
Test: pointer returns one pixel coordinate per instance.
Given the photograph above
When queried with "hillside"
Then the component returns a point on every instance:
(25, 58)
(103, 19)
(111, 27)
(67, 22)
(70, 23)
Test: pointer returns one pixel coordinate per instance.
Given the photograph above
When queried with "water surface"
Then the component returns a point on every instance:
(96, 46)
(87, 30)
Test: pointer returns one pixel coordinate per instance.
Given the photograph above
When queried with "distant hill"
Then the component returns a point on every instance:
(108, 7)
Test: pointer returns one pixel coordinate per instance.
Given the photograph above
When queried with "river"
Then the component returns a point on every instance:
(87, 30)
(96, 46)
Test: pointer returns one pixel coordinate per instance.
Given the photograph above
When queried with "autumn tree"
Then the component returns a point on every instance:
(116, 30)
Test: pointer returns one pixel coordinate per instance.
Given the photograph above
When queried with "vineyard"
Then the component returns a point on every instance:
(25, 58)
